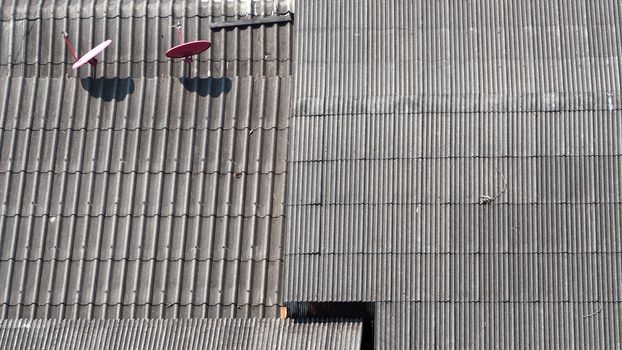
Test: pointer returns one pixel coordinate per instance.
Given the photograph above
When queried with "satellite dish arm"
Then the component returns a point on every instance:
(179, 33)
(181, 41)
(73, 53)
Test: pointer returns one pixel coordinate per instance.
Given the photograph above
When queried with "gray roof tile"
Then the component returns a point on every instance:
(179, 334)
(129, 191)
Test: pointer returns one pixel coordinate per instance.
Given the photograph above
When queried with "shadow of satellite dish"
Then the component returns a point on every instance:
(108, 89)
(213, 87)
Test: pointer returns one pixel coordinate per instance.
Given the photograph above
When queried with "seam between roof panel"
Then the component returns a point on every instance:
(450, 253)
(212, 16)
(145, 216)
(450, 111)
(164, 128)
(235, 173)
(138, 304)
(614, 302)
(476, 203)
(543, 156)
(15, 260)
(223, 60)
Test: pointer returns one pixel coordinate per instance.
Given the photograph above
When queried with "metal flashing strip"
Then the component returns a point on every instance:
(253, 21)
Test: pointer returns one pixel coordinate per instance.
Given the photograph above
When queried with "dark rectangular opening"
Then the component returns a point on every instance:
(337, 310)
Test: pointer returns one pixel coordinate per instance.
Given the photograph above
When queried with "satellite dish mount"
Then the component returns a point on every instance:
(89, 57)
(187, 50)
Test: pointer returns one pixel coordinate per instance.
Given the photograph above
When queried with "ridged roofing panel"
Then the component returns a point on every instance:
(456, 277)
(456, 135)
(35, 46)
(538, 325)
(454, 228)
(179, 334)
(459, 161)
(147, 188)
(530, 180)
(63, 9)
(421, 56)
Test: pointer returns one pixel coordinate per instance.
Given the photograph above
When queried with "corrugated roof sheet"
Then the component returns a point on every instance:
(469, 56)
(255, 334)
(63, 9)
(146, 187)
(407, 114)
(538, 325)
(141, 34)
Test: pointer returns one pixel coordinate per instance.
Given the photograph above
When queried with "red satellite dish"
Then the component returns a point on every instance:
(187, 50)
(89, 56)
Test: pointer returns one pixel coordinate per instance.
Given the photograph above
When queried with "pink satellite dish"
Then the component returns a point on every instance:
(187, 50)
(89, 57)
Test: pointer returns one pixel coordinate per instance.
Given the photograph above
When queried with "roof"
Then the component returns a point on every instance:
(408, 115)
(146, 188)
(453, 164)
(256, 334)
